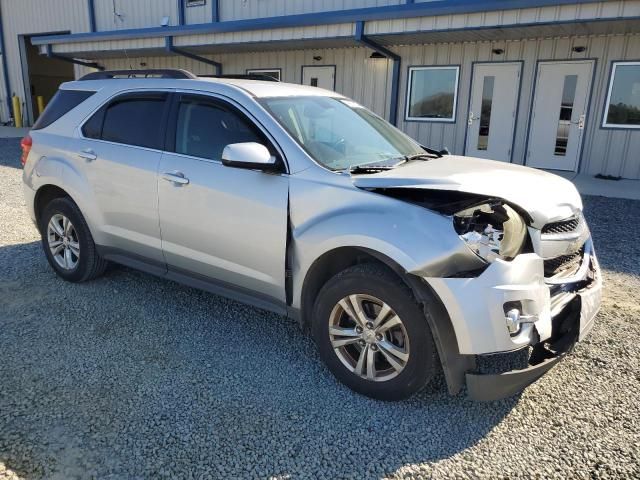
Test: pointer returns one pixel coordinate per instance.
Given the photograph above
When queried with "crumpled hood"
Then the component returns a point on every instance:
(546, 197)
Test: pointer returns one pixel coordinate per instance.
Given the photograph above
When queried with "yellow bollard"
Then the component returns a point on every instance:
(17, 111)
(40, 102)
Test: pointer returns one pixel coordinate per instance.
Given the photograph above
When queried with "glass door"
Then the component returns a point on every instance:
(559, 114)
(492, 112)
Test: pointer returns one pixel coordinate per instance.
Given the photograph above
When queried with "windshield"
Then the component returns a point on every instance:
(340, 134)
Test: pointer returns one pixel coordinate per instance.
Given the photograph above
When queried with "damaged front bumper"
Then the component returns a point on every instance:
(557, 312)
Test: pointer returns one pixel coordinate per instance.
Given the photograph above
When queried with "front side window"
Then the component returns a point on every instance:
(339, 133)
(131, 120)
(203, 129)
(622, 109)
(432, 94)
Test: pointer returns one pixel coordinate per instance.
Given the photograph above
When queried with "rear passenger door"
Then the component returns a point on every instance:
(227, 226)
(119, 152)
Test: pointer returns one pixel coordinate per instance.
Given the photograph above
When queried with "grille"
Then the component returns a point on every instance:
(564, 226)
(554, 266)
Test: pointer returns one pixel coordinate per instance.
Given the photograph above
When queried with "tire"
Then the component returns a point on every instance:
(85, 263)
(372, 285)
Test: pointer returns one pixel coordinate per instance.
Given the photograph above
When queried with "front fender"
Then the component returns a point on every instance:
(327, 216)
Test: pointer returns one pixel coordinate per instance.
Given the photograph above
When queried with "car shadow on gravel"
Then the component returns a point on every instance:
(135, 376)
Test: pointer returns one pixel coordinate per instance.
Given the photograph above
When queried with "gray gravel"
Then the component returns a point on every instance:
(130, 376)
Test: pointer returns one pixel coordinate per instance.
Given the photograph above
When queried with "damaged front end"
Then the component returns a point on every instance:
(535, 297)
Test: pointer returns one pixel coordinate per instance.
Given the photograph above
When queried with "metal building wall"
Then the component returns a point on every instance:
(26, 17)
(243, 9)
(133, 13)
(199, 13)
(611, 152)
(523, 16)
(364, 79)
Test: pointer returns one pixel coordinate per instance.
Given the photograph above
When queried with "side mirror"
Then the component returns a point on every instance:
(250, 155)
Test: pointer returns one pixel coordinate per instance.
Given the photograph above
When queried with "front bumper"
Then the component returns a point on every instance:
(571, 325)
(564, 313)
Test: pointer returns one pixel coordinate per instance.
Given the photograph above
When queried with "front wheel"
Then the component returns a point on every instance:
(373, 335)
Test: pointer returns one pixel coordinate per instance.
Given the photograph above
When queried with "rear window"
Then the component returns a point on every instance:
(62, 102)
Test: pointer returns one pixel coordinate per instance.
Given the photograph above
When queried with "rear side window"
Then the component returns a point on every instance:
(61, 103)
(132, 120)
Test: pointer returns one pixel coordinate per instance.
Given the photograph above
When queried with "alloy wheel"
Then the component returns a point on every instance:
(368, 337)
(63, 242)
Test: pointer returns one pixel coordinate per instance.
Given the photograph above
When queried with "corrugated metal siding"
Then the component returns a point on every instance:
(272, 35)
(123, 46)
(357, 76)
(244, 9)
(612, 9)
(611, 152)
(134, 13)
(33, 17)
(199, 13)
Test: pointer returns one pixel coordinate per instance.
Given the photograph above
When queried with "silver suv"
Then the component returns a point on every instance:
(400, 260)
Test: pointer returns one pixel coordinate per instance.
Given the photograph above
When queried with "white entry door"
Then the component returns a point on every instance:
(322, 76)
(559, 114)
(492, 112)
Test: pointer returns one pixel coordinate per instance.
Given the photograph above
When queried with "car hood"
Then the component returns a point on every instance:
(546, 197)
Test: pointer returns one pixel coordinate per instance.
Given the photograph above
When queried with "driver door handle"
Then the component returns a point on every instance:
(175, 177)
(87, 154)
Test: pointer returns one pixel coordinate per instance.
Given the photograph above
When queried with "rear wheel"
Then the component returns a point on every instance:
(67, 242)
(373, 335)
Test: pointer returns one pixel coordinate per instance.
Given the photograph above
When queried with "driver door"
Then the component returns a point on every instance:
(225, 226)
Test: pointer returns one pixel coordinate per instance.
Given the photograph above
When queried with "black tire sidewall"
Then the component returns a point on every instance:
(422, 362)
(66, 207)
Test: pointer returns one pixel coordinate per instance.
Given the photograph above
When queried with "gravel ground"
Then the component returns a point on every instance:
(130, 376)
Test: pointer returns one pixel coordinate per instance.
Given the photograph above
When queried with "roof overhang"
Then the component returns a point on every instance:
(104, 49)
(407, 10)
(512, 32)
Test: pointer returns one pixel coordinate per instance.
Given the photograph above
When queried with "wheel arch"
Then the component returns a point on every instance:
(44, 195)
(454, 364)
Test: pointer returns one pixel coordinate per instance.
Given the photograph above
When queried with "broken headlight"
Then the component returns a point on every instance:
(491, 230)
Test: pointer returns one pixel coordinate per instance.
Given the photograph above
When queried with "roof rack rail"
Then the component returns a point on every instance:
(174, 73)
(248, 76)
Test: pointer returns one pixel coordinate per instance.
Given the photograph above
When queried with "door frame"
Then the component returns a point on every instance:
(517, 118)
(302, 67)
(28, 113)
(587, 122)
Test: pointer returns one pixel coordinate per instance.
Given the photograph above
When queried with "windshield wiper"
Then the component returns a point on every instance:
(429, 153)
(422, 156)
(370, 168)
(377, 165)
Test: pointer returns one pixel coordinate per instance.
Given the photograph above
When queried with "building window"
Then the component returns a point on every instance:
(432, 94)
(195, 3)
(622, 109)
(269, 72)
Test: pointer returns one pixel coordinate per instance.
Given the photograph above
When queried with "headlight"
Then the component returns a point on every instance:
(492, 230)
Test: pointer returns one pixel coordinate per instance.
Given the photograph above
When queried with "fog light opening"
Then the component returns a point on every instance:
(515, 320)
